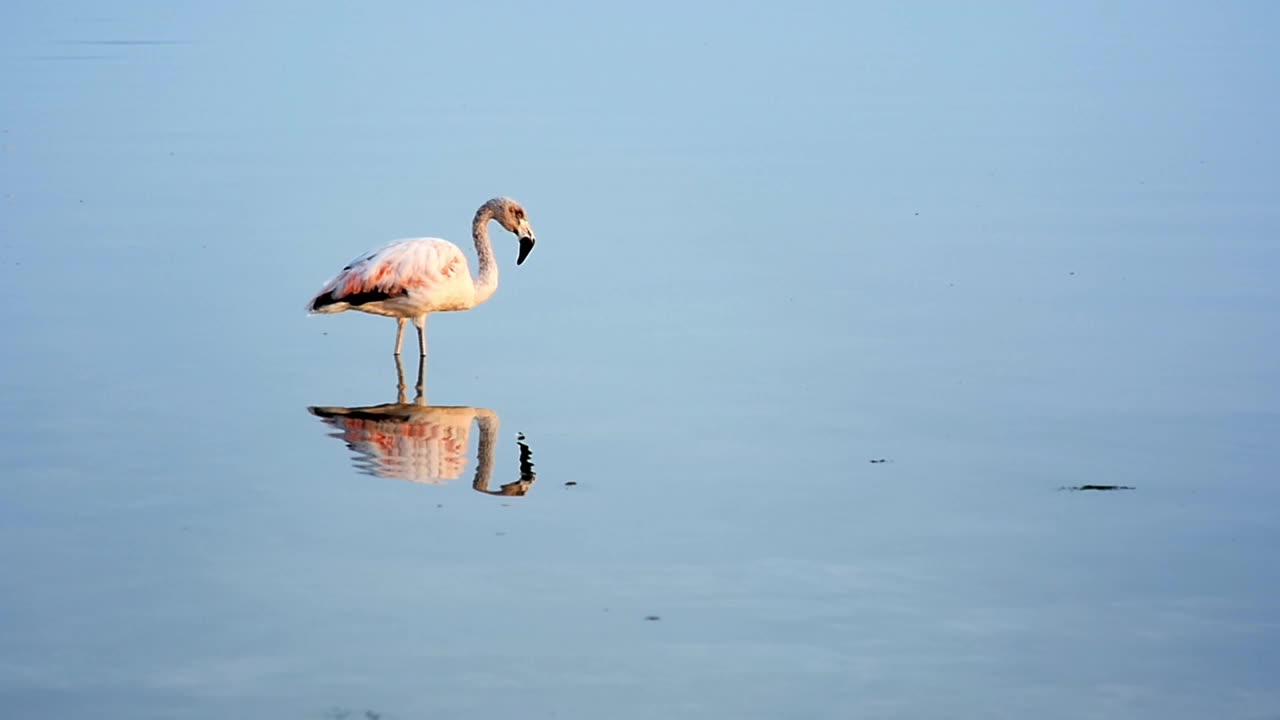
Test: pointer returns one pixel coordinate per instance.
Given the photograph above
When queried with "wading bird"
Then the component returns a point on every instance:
(406, 279)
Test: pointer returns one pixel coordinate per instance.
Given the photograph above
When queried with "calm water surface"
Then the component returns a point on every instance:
(831, 308)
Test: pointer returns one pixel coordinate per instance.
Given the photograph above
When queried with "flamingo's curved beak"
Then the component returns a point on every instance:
(526, 245)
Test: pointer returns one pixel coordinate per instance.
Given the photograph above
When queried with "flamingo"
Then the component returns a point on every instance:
(406, 279)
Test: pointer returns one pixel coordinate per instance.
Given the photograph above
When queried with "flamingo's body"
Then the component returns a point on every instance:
(407, 279)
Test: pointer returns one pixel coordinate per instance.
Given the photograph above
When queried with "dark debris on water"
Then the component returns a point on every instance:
(1078, 488)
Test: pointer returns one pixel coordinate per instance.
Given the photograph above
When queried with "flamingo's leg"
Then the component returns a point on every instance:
(421, 323)
(399, 334)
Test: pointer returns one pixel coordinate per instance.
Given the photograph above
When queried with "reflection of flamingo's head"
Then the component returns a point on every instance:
(519, 487)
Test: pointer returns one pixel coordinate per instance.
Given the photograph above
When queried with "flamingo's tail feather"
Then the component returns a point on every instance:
(331, 302)
(325, 303)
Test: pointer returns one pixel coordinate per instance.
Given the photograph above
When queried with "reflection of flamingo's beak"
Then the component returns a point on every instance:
(526, 245)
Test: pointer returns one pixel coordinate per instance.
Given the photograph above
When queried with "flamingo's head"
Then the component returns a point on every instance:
(512, 216)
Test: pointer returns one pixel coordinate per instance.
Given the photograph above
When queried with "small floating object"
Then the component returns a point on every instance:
(571, 483)
(1077, 488)
(877, 462)
(653, 618)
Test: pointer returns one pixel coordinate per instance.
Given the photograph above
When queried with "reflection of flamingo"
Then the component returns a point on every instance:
(422, 443)
(410, 278)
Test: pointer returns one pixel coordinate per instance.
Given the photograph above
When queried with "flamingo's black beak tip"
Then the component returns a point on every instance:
(526, 246)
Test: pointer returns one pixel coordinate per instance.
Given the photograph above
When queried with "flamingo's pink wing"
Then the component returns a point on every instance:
(399, 266)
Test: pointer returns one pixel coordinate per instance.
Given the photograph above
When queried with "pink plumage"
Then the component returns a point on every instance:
(407, 279)
(421, 265)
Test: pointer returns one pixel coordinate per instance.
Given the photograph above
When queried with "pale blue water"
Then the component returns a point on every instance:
(1007, 251)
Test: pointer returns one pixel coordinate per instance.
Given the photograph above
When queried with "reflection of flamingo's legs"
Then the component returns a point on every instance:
(421, 387)
(400, 376)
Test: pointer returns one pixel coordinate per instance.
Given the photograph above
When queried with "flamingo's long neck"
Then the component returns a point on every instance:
(487, 279)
